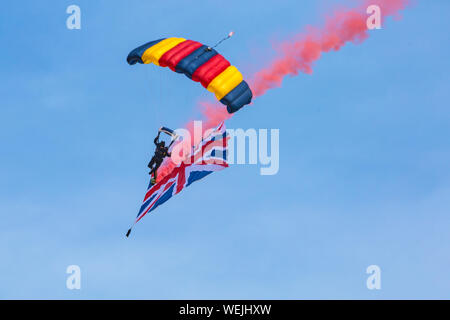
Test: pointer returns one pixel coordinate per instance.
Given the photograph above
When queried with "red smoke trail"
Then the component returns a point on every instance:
(298, 55)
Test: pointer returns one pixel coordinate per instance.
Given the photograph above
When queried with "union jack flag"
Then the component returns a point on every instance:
(207, 157)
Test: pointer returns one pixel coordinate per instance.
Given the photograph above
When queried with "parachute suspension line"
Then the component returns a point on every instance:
(160, 96)
(230, 34)
(226, 38)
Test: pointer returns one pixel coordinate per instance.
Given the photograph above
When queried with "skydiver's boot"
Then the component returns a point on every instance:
(155, 171)
(152, 176)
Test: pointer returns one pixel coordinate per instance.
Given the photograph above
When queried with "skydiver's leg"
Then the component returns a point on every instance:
(152, 162)
(157, 165)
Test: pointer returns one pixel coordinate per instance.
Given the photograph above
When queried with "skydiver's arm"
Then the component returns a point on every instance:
(156, 140)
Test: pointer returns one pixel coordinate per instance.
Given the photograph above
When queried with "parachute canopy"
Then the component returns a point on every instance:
(200, 63)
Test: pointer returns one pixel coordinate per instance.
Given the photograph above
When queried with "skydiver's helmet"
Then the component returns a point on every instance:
(163, 144)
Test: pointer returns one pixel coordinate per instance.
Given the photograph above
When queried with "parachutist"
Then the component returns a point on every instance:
(209, 156)
(160, 153)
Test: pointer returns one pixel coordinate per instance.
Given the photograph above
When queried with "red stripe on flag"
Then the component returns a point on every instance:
(157, 186)
(181, 178)
(155, 200)
(198, 154)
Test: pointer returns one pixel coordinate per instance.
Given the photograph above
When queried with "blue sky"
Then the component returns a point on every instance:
(364, 158)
